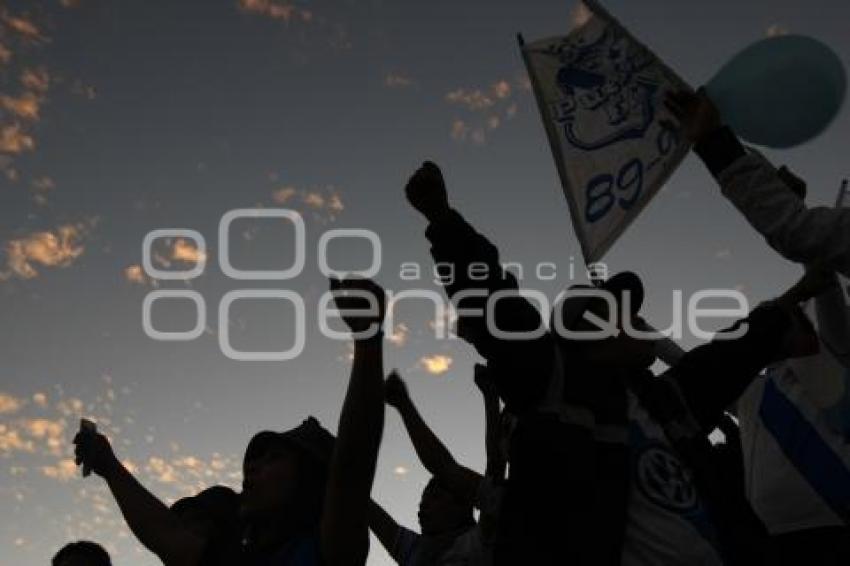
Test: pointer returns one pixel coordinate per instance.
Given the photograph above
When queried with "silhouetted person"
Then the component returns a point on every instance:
(795, 421)
(213, 513)
(82, 553)
(449, 533)
(619, 456)
(771, 199)
(305, 498)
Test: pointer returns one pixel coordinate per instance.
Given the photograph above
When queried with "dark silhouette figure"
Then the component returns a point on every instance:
(82, 553)
(600, 442)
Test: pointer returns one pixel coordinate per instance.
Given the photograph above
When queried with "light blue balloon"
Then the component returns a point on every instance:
(780, 92)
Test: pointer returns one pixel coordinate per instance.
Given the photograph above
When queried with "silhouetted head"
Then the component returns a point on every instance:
(82, 553)
(211, 513)
(623, 292)
(793, 182)
(441, 512)
(285, 473)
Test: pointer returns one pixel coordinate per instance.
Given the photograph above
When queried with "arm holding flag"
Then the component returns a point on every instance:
(767, 197)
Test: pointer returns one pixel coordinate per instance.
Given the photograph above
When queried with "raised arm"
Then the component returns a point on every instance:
(496, 463)
(472, 274)
(713, 376)
(763, 194)
(159, 530)
(345, 518)
(384, 526)
(436, 458)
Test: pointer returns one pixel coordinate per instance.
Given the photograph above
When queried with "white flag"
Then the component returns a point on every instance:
(601, 95)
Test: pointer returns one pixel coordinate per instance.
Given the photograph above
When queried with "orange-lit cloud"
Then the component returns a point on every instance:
(437, 364)
(487, 109)
(187, 252)
(398, 335)
(21, 25)
(325, 204)
(25, 106)
(284, 11)
(64, 470)
(9, 404)
(37, 80)
(14, 140)
(776, 30)
(40, 399)
(5, 55)
(471, 99)
(136, 274)
(56, 248)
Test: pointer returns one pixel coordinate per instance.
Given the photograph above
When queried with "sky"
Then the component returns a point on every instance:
(125, 116)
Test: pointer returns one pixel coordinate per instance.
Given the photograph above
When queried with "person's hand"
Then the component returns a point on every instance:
(395, 390)
(484, 382)
(696, 112)
(426, 191)
(362, 304)
(93, 451)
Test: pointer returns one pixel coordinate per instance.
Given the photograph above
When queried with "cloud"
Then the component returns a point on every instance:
(502, 89)
(397, 80)
(167, 252)
(55, 249)
(41, 186)
(64, 470)
(14, 140)
(488, 109)
(25, 106)
(398, 336)
(9, 404)
(136, 275)
(11, 441)
(24, 27)
(5, 55)
(437, 364)
(776, 30)
(186, 252)
(400, 471)
(37, 80)
(325, 203)
(471, 99)
(283, 11)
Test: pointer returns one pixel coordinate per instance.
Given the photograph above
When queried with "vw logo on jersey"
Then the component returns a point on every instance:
(664, 480)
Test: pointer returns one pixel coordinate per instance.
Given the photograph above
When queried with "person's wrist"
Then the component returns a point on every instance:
(111, 468)
(435, 214)
(369, 336)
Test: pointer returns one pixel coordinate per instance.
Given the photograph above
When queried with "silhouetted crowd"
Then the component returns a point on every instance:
(592, 458)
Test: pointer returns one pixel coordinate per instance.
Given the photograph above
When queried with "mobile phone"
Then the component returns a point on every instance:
(87, 427)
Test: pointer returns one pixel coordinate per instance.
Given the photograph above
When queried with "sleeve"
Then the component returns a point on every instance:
(833, 318)
(471, 274)
(713, 376)
(488, 501)
(404, 549)
(754, 187)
